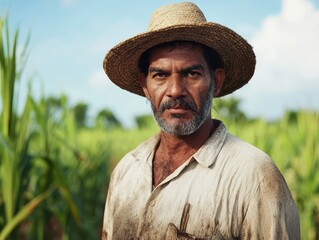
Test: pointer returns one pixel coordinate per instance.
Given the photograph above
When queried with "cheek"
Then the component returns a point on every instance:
(156, 93)
(201, 95)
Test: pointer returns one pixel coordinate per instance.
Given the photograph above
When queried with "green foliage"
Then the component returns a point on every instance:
(228, 108)
(117, 141)
(15, 136)
(144, 121)
(80, 114)
(49, 189)
(74, 210)
(106, 119)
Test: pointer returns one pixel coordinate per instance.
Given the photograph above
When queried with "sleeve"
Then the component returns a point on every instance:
(272, 213)
(107, 219)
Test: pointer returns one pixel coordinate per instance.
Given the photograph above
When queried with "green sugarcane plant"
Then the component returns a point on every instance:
(15, 136)
(27, 178)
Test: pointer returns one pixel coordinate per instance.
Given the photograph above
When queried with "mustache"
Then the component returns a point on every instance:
(181, 102)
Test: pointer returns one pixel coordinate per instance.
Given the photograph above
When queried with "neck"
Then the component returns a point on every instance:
(172, 151)
(188, 143)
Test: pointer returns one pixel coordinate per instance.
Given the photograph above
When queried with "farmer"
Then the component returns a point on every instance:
(193, 180)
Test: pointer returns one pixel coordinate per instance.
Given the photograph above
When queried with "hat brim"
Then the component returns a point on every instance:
(237, 55)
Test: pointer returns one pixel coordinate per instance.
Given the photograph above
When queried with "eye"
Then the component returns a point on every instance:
(159, 75)
(192, 74)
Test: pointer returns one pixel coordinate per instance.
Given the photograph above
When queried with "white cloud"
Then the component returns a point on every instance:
(287, 47)
(287, 51)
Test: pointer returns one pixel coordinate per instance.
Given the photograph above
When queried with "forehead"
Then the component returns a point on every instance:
(182, 52)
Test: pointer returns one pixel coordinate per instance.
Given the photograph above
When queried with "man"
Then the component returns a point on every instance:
(193, 180)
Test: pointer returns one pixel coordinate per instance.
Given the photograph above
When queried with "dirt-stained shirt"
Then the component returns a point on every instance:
(228, 189)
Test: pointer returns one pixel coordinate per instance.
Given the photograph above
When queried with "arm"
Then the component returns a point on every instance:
(272, 213)
(107, 219)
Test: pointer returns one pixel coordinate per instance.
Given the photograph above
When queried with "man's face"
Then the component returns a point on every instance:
(180, 88)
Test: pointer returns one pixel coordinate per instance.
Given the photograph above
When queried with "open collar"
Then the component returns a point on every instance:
(208, 152)
(205, 156)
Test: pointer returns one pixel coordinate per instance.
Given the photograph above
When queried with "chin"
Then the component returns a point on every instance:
(179, 127)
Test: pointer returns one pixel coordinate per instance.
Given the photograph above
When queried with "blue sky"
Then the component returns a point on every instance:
(69, 39)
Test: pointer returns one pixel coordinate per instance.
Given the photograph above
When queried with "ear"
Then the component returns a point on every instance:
(143, 84)
(219, 80)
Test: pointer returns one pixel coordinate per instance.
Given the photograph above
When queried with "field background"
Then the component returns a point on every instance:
(55, 163)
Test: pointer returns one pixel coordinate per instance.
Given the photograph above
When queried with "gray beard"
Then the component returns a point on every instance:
(189, 127)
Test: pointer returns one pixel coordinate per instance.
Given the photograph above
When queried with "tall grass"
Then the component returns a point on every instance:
(15, 135)
(27, 178)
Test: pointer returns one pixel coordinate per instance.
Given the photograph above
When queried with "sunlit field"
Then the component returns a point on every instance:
(55, 168)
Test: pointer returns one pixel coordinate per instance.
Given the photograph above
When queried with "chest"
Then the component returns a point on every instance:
(164, 165)
(213, 198)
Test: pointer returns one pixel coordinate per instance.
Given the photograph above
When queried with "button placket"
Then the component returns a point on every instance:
(151, 202)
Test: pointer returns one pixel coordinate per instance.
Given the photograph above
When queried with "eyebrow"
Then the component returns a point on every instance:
(158, 70)
(193, 67)
(184, 70)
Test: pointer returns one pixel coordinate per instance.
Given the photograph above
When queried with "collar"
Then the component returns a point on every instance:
(205, 156)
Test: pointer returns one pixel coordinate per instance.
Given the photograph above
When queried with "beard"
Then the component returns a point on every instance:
(187, 127)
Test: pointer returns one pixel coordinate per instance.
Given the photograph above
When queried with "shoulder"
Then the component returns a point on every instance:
(235, 158)
(250, 158)
(257, 170)
(137, 156)
(243, 148)
(253, 169)
(267, 192)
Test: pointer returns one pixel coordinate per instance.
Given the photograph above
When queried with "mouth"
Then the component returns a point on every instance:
(178, 109)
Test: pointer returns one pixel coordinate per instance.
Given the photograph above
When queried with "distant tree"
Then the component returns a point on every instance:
(229, 109)
(144, 121)
(291, 116)
(80, 114)
(106, 119)
(55, 105)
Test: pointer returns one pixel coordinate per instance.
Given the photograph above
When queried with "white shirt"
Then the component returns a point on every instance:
(234, 191)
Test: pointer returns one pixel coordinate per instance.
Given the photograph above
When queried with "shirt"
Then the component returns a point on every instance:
(228, 189)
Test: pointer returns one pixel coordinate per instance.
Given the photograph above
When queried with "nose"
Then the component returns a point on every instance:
(176, 86)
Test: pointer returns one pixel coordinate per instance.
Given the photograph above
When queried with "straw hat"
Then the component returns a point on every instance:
(182, 21)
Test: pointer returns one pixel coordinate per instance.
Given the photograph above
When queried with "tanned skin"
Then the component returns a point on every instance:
(181, 72)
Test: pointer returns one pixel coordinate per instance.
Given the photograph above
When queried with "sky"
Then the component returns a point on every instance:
(69, 40)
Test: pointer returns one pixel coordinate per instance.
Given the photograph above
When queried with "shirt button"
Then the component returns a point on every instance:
(152, 203)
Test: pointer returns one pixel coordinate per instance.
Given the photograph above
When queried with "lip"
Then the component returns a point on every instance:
(178, 110)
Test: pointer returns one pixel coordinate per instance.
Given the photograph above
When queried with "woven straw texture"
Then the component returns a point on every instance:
(182, 21)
